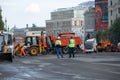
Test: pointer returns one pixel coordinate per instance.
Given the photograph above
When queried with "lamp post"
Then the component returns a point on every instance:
(8, 29)
(6, 24)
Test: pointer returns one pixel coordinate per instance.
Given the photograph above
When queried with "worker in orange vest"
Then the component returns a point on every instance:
(22, 51)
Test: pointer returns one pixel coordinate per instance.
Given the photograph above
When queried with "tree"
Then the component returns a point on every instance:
(99, 35)
(33, 25)
(1, 22)
(115, 31)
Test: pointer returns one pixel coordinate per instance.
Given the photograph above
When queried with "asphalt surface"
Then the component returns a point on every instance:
(91, 66)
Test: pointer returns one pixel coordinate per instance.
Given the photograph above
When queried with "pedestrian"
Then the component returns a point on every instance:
(71, 46)
(58, 48)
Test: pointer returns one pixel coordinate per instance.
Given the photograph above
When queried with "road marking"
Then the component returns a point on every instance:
(26, 75)
(44, 64)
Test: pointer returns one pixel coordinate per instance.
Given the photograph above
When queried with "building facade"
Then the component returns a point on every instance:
(66, 20)
(113, 10)
(101, 14)
(23, 31)
(89, 22)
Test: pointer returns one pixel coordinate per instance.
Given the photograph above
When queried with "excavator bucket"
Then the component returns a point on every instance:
(6, 56)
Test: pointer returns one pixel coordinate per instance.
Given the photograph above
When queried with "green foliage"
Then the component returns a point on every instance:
(101, 34)
(33, 25)
(1, 22)
(98, 36)
(113, 32)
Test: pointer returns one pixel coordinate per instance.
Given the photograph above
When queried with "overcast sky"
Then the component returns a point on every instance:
(22, 12)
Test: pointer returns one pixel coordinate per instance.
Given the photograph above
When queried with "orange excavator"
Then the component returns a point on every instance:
(105, 44)
(18, 44)
(64, 37)
(33, 43)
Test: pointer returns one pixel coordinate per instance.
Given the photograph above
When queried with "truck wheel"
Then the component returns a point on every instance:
(65, 50)
(76, 50)
(33, 51)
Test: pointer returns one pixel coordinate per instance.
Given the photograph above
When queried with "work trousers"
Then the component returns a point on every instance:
(71, 52)
(59, 53)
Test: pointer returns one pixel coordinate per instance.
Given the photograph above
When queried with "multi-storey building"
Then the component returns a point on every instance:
(113, 10)
(89, 21)
(66, 20)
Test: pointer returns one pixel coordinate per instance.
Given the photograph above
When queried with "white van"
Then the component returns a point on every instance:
(90, 45)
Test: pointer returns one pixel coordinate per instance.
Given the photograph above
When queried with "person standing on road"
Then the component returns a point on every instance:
(58, 48)
(71, 46)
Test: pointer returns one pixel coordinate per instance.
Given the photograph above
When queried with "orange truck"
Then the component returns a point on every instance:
(64, 37)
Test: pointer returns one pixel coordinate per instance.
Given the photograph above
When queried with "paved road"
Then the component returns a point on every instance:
(100, 66)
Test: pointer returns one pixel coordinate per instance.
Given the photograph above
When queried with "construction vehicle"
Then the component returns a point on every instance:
(105, 44)
(18, 40)
(91, 45)
(18, 44)
(65, 37)
(6, 46)
(35, 43)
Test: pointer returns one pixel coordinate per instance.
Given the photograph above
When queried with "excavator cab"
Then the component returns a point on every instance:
(32, 42)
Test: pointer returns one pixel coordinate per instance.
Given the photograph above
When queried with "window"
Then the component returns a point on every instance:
(75, 23)
(28, 40)
(111, 22)
(34, 40)
(81, 23)
(111, 12)
(8, 39)
(111, 3)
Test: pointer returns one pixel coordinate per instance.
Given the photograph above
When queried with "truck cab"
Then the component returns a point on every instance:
(91, 45)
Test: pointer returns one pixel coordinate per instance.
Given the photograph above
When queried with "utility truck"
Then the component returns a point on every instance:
(65, 37)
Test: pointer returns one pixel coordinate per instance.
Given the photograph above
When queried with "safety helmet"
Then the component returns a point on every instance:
(58, 37)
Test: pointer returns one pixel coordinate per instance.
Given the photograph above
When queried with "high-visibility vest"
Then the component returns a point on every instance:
(71, 43)
(58, 42)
